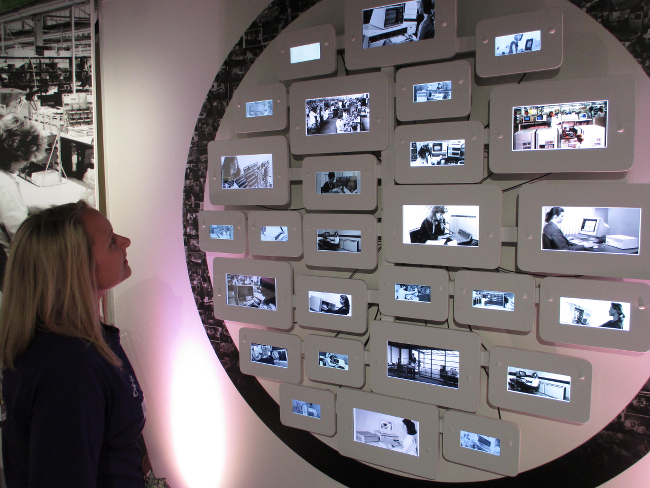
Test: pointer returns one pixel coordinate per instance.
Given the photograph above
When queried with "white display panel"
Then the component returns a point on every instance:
(419, 293)
(319, 304)
(567, 244)
(273, 355)
(222, 231)
(407, 211)
(250, 171)
(344, 114)
(253, 292)
(608, 314)
(520, 43)
(306, 52)
(334, 360)
(275, 233)
(260, 108)
(557, 126)
(503, 301)
(379, 34)
(307, 408)
(481, 442)
(434, 91)
(549, 385)
(426, 364)
(371, 428)
(340, 241)
(425, 155)
(353, 187)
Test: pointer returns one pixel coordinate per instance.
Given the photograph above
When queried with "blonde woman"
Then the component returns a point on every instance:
(75, 410)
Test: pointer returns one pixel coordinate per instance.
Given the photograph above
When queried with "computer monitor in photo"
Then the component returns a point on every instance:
(493, 300)
(412, 293)
(304, 53)
(305, 408)
(336, 240)
(247, 171)
(398, 23)
(344, 114)
(274, 233)
(432, 92)
(338, 182)
(481, 443)
(334, 361)
(539, 383)
(438, 153)
(595, 313)
(222, 232)
(330, 303)
(577, 125)
(423, 364)
(524, 42)
(386, 431)
(251, 291)
(266, 354)
(610, 230)
(262, 108)
(449, 225)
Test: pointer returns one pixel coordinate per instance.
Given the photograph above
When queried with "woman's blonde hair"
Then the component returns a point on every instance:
(49, 284)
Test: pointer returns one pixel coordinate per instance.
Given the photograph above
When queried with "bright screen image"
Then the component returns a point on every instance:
(482, 443)
(338, 115)
(423, 364)
(438, 153)
(222, 232)
(274, 233)
(262, 108)
(335, 361)
(493, 300)
(339, 240)
(251, 291)
(305, 408)
(538, 383)
(247, 171)
(307, 52)
(432, 92)
(436, 225)
(524, 42)
(398, 23)
(332, 303)
(412, 293)
(595, 313)
(578, 125)
(387, 431)
(341, 182)
(609, 230)
(265, 354)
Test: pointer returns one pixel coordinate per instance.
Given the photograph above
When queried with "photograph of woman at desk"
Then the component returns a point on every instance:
(332, 303)
(451, 225)
(387, 431)
(339, 240)
(594, 313)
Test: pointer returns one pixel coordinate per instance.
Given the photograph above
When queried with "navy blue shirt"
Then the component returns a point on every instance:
(73, 419)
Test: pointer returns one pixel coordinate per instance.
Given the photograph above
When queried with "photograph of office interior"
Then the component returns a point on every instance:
(493, 300)
(262, 108)
(222, 232)
(431, 92)
(249, 171)
(336, 115)
(341, 182)
(305, 408)
(332, 303)
(266, 354)
(539, 383)
(482, 443)
(595, 313)
(251, 291)
(578, 125)
(335, 361)
(413, 293)
(438, 153)
(392, 24)
(423, 364)
(339, 240)
(387, 431)
(450, 225)
(274, 233)
(524, 42)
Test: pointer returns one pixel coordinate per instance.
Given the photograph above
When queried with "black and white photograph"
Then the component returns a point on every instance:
(332, 303)
(305, 408)
(341, 182)
(274, 233)
(438, 225)
(610, 230)
(398, 23)
(261, 108)
(412, 293)
(423, 364)
(438, 153)
(432, 92)
(248, 171)
(266, 354)
(482, 443)
(493, 300)
(222, 232)
(338, 115)
(251, 291)
(578, 125)
(387, 431)
(524, 42)
(304, 53)
(539, 383)
(335, 361)
(339, 240)
(595, 313)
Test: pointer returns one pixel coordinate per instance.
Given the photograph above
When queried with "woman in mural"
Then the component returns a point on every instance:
(409, 443)
(616, 312)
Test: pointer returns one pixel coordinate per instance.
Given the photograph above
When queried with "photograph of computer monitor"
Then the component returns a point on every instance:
(438, 153)
(222, 232)
(398, 23)
(305, 408)
(423, 364)
(266, 354)
(539, 383)
(524, 42)
(412, 293)
(338, 115)
(304, 53)
(247, 171)
(339, 240)
(331, 303)
(595, 313)
(261, 108)
(338, 182)
(334, 361)
(386, 431)
(611, 230)
(251, 291)
(274, 233)
(481, 443)
(449, 225)
(432, 92)
(493, 300)
(577, 125)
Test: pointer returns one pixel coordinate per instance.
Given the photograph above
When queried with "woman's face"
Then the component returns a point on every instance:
(559, 218)
(613, 312)
(342, 300)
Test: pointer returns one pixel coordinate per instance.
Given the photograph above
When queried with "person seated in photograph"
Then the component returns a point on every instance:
(265, 355)
(426, 30)
(350, 187)
(616, 312)
(409, 442)
(402, 294)
(344, 309)
(231, 173)
(329, 185)
(424, 153)
(340, 124)
(552, 235)
(329, 242)
(433, 227)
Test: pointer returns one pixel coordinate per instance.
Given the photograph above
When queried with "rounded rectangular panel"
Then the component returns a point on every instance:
(223, 232)
(272, 355)
(275, 233)
(334, 360)
(260, 108)
(306, 53)
(307, 408)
